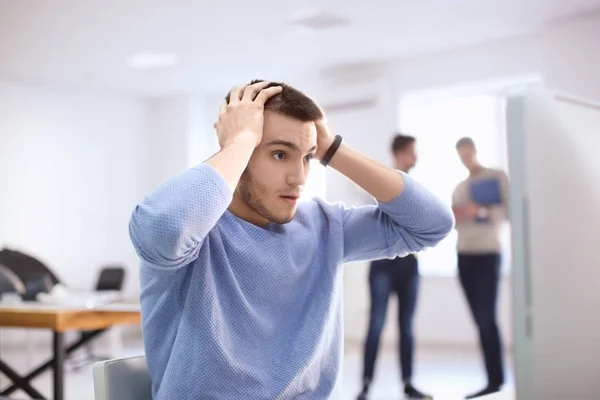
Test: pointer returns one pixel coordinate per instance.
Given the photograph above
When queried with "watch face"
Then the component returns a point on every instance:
(483, 214)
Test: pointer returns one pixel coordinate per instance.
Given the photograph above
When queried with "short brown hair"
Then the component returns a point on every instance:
(401, 142)
(465, 142)
(291, 102)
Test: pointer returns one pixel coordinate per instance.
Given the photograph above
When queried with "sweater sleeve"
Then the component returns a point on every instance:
(412, 222)
(169, 226)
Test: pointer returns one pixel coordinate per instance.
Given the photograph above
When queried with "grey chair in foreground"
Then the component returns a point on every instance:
(122, 379)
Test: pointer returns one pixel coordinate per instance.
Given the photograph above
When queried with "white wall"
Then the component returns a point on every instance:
(180, 134)
(169, 136)
(72, 167)
(571, 54)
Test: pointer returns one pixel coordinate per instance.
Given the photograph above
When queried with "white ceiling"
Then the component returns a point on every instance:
(85, 43)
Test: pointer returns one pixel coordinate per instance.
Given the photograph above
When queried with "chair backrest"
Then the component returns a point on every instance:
(122, 379)
(111, 278)
(10, 282)
(26, 267)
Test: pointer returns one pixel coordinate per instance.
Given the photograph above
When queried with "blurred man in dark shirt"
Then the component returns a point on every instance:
(401, 276)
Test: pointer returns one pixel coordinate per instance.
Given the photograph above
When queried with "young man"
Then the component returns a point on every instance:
(241, 286)
(399, 275)
(479, 253)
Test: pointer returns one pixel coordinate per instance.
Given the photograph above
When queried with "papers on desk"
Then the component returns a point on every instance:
(60, 297)
(37, 306)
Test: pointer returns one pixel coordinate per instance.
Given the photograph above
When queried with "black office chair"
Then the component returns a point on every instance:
(110, 278)
(10, 282)
(35, 275)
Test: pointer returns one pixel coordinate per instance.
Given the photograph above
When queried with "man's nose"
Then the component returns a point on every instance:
(297, 174)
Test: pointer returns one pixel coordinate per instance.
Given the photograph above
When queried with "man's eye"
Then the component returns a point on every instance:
(278, 155)
(309, 157)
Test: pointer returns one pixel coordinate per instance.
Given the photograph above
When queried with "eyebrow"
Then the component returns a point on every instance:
(290, 145)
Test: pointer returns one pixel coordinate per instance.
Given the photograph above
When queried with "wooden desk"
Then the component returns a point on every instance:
(60, 319)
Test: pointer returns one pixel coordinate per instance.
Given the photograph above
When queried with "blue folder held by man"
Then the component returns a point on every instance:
(486, 192)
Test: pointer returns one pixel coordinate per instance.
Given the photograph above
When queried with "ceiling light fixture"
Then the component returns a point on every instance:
(152, 61)
(318, 20)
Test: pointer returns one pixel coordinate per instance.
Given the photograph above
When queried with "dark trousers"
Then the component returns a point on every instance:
(399, 275)
(480, 277)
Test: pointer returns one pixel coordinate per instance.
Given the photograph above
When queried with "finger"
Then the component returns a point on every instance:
(236, 94)
(251, 90)
(267, 93)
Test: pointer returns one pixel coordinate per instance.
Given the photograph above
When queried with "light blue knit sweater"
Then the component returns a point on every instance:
(233, 311)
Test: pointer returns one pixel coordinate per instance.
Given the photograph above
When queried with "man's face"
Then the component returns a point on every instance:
(406, 158)
(277, 170)
(468, 156)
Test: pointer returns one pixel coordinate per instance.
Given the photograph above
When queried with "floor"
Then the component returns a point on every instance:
(446, 374)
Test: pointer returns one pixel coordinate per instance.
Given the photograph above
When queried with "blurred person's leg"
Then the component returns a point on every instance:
(380, 285)
(480, 278)
(407, 287)
(468, 279)
(407, 283)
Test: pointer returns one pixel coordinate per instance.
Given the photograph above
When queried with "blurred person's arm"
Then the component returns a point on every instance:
(469, 211)
(462, 211)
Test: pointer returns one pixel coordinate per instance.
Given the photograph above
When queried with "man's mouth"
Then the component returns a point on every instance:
(291, 199)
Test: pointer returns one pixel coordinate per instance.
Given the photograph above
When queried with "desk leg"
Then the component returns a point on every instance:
(48, 364)
(23, 383)
(58, 365)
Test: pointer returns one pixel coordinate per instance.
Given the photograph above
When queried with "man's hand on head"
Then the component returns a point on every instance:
(324, 138)
(243, 115)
